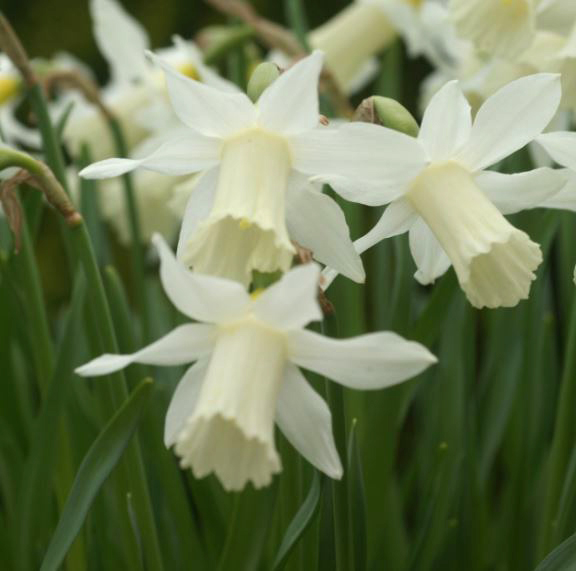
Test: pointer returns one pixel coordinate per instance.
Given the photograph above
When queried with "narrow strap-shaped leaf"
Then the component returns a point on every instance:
(357, 500)
(563, 558)
(101, 458)
(300, 523)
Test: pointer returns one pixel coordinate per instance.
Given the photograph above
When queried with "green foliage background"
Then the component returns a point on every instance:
(450, 471)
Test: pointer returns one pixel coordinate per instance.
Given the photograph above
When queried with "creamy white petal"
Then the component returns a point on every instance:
(291, 303)
(184, 401)
(316, 222)
(561, 146)
(231, 431)
(179, 156)
(364, 163)
(446, 124)
(182, 345)
(511, 118)
(121, 39)
(208, 110)
(290, 104)
(201, 297)
(512, 193)
(207, 75)
(566, 198)
(500, 27)
(398, 218)
(371, 361)
(494, 262)
(197, 208)
(304, 418)
(429, 257)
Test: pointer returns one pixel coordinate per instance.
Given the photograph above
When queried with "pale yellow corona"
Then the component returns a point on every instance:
(494, 261)
(246, 228)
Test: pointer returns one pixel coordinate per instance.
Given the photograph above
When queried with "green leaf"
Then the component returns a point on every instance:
(357, 500)
(300, 523)
(97, 465)
(563, 558)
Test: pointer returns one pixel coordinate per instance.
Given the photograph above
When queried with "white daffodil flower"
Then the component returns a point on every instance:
(257, 157)
(248, 350)
(453, 208)
(354, 36)
(500, 27)
(136, 93)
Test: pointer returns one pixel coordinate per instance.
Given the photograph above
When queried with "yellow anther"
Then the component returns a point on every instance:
(189, 70)
(257, 293)
(415, 3)
(244, 224)
(9, 87)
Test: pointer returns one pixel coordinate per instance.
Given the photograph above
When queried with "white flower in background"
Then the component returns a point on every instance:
(248, 350)
(136, 92)
(453, 207)
(11, 94)
(352, 38)
(500, 27)
(253, 199)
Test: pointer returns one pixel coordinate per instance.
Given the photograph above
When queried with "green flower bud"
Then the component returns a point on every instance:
(388, 113)
(261, 78)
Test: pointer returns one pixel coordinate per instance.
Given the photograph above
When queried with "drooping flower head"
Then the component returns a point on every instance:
(257, 157)
(453, 208)
(248, 350)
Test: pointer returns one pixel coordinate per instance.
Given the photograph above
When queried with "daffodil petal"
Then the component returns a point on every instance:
(182, 345)
(183, 401)
(291, 302)
(290, 104)
(364, 163)
(179, 156)
(398, 218)
(122, 40)
(511, 118)
(304, 418)
(201, 297)
(371, 361)
(316, 222)
(512, 193)
(208, 110)
(446, 124)
(430, 258)
(566, 198)
(197, 208)
(561, 146)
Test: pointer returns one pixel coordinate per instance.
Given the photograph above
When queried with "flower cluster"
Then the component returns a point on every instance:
(244, 180)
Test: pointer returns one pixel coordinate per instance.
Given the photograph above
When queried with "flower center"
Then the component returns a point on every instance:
(189, 70)
(246, 229)
(231, 432)
(493, 260)
(9, 87)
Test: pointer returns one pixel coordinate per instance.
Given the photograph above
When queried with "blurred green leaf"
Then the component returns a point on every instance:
(100, 460)
(300, 523)
(563, 558)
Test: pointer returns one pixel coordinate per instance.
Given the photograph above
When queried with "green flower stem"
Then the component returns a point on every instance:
(340, 500)
(296, 17)
(42, 342)
(50, 144)
(563, 441)
(138, 269)
(118, 391)
(117, 394)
